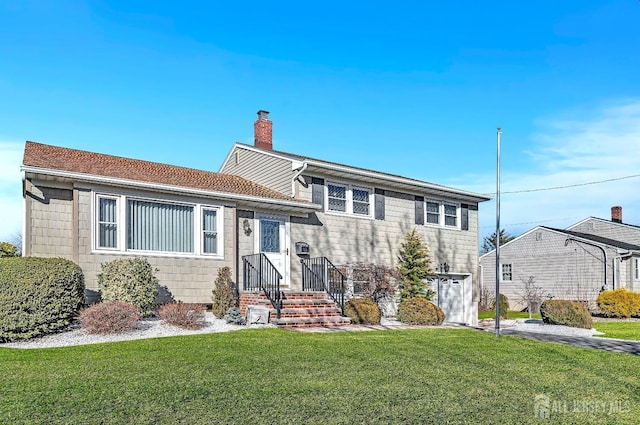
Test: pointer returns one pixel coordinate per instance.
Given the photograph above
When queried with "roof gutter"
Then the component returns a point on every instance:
(166, 187)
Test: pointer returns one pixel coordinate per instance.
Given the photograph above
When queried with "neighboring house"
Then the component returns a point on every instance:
(576, 263)
(263, 205)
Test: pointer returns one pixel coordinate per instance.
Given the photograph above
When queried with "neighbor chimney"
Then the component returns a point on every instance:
(616, 214)
(262, 129)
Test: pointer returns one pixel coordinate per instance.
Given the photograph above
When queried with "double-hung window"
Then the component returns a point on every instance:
(107, 222)
(349, 199)
(636, 268)
(507, 272)
(439, 213)
(142, 225)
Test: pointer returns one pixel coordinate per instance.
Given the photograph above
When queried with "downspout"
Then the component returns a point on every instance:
(24, 213)
(295, 177)
(604, 254)
(622, 256)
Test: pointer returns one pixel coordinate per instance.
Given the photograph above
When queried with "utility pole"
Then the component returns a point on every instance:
(498, 237)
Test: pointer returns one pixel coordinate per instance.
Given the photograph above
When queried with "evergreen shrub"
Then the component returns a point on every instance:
(222, 293)
(363, 311)
(38, 296)
(129, 280)
(619, 303)
(234, 317)
(419, 311)
(504, 306)
(567, 313)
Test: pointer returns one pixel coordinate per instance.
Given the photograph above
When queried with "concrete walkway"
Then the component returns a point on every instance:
(609, 344)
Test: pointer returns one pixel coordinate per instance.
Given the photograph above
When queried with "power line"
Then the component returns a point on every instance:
(569, 186)
(532, 222)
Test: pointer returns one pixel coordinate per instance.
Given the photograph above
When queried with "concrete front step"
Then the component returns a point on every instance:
(301, 322)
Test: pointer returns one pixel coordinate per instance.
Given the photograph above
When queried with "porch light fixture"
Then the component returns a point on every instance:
(246, 226)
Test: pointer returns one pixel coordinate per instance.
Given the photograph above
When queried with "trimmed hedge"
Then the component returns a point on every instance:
(564, 312)
(131, 281)
(419, 311)
(38, 296)
(363, 311)
(619, 303)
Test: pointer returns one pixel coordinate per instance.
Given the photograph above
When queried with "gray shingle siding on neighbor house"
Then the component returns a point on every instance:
(573, 270)
(608, 229)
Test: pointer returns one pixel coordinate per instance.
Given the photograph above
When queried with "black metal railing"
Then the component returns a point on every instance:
(319, 274)
(260, 274)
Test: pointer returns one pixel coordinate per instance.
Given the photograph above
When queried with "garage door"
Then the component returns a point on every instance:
(450, 299)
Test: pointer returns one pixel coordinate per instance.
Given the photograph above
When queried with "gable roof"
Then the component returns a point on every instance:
(598, 239)
(47, 159)
(633, 226)
(586, 236)
(375, 177)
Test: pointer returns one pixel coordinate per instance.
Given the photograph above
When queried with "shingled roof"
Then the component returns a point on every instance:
(96, 164)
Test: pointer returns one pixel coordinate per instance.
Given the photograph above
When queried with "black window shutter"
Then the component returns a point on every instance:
(379, 204)
(464, 217)
(317, 190)
(419, 209)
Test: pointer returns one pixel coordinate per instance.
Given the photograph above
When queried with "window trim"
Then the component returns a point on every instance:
(442, 217)
(121, 225)
(349, 201)
(636, 269)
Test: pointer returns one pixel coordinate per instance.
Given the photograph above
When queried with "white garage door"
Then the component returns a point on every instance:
(450, 299)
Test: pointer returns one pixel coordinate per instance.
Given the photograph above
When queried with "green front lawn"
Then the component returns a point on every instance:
(272, 376)
(619, 329)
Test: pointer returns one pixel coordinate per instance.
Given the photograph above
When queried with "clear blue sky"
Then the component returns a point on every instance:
(415, 88)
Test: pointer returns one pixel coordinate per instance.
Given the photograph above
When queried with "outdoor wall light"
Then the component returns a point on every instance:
(444, 267)
(246, 226)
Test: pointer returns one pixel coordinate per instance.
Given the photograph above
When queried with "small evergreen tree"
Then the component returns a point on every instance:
(414, 266)
(222, 293)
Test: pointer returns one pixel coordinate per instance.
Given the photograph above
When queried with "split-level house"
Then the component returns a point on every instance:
(576, 263)
(284, 224)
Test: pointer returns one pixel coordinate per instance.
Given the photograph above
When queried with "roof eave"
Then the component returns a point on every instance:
(93, 178)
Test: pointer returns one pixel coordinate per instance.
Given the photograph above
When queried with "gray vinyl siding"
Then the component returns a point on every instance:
(267, 170)
(574, 272)
(348, 239)
(607, 229)
(50, 221)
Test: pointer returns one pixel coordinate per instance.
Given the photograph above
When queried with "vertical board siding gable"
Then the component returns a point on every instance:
(419, 209)
(379, 204)
(317, 191)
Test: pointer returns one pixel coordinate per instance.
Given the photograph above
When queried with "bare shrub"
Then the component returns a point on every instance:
(186, 316)
(110, 317)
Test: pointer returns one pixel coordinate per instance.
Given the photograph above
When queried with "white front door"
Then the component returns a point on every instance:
(273, 241)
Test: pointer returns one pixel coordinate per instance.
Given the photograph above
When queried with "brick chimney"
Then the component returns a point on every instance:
(262, 130)
(616, 214)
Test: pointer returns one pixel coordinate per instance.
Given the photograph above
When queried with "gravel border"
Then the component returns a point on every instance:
(538, 326)
(148, 328)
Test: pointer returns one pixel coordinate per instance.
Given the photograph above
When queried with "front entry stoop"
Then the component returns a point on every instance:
(299, 309)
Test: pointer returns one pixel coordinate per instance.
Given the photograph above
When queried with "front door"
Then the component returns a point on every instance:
(273, 241)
